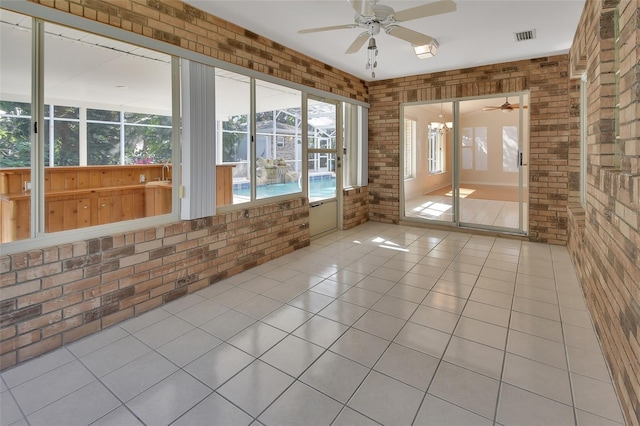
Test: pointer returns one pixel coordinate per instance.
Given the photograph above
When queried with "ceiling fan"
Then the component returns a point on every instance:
(372, 17)
(505, 107)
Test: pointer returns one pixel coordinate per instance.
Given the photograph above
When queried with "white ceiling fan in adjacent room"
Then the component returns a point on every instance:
(373, 17)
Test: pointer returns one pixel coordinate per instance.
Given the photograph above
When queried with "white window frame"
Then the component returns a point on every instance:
(436, 152)
(410, 143)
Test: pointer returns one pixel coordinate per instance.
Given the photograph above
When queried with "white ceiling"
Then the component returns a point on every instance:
(479, 32)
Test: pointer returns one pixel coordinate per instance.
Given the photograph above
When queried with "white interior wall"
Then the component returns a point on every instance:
(494, 122)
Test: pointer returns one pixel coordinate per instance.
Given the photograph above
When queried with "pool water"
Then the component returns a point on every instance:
(320, 189)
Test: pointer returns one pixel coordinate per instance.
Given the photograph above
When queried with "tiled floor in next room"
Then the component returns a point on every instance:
(380, 324)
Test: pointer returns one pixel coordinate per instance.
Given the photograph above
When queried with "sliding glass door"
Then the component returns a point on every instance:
(465, 163)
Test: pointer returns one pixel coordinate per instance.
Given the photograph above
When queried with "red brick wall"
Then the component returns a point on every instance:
(545, 79)
(56, 295)
(605, 236)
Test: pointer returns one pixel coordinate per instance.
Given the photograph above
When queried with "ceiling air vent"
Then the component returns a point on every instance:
(525, 35)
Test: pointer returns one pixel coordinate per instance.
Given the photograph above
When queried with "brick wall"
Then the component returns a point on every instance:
(545, 79)
(56, 295)
(604, 237)
(355, 202)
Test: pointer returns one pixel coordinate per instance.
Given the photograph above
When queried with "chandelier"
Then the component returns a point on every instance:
(441, 127)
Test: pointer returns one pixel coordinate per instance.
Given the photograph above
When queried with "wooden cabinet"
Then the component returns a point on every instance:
(62, 215)
(157, 198)
(224, 185)
(15, 217)
(78, 197)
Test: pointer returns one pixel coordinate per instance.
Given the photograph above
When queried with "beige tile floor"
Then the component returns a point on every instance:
(382, 324)
(502, 214)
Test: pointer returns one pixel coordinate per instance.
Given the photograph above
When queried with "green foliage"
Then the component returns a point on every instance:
(15, 134)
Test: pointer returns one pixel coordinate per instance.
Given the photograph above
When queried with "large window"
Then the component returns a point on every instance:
(409, 148)
(233, 132)
(102, 139)
(475, 149)
(278, 116)
(275, 166)
(355, 150)
(436, 151)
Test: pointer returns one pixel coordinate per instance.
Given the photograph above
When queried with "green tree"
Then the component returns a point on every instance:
(15, 134)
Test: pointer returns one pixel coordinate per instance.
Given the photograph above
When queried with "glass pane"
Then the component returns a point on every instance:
(147, 119)
(322, 184)
(467, 148)
(278, 154)
(232, 127)
(103, 144)
(430, 195)
(510, 149)
(103, 115)
(147, 144)
(322, 125)
(482, 148)
(489, 191)
(66, 143)
(66, 112)
(90, 83)
(15, 133)
(15, 124)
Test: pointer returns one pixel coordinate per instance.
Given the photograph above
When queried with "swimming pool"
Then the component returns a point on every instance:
(318, 189)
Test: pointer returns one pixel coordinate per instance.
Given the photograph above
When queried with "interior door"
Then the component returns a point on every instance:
(324, 166)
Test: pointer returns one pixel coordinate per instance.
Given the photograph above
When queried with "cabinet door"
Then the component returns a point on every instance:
(84, 213)
(54, 221)
(105, 206)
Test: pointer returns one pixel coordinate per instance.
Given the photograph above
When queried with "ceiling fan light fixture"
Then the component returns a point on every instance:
(372, 44)
(427, 50)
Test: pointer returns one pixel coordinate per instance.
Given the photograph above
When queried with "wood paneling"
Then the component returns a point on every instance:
(77, 197)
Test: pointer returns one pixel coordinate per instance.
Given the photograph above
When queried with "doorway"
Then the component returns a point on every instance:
(464, 163)
(324, 180)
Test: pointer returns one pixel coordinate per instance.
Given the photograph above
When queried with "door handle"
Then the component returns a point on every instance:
(520, 160)
(316, 205)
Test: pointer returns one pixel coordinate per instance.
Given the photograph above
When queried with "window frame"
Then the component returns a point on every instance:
(410, 134)
(437, 145)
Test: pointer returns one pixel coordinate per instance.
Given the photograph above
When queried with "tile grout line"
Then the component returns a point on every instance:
(441, 360)
(506, 343)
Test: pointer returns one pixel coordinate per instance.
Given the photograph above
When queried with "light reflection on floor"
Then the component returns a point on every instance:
(502, 214)
(431, 208)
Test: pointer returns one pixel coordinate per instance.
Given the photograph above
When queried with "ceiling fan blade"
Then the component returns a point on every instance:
(429, 9)
(413, 37)
(362, 7)
(491, 108)
(358, 42)
(335, 27)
